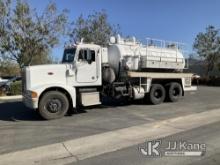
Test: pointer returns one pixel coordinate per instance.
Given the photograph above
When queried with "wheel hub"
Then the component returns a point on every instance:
(54, 105)
(158, 94)
(175, 92)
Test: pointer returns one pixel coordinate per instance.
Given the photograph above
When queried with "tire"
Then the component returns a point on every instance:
(175, 91)
(157, 94)
(53, 105)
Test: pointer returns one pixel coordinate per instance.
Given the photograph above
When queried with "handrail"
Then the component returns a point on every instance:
(163, 43)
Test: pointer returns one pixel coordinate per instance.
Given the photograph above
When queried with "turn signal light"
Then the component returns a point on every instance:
(33, 94)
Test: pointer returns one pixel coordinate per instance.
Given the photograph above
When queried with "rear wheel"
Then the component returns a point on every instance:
(53, 105)
(157, 94)
(175, 91)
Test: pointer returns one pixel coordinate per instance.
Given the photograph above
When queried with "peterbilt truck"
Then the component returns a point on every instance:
(125, 69)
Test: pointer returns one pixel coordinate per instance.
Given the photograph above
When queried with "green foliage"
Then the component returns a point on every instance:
(8, 68)
(2, 93)
(95, 28)
(207, 46)
(26, 36)
(16, 88)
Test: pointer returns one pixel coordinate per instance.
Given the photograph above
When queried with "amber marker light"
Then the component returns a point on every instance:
(33, 94)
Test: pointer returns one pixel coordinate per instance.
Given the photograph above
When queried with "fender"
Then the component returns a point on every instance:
(71, 90)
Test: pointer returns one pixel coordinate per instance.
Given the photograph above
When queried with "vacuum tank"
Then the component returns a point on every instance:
(134, 56)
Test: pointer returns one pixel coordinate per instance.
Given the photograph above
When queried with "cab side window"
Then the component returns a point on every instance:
(91, 55)
(82, 55)
(87, 55)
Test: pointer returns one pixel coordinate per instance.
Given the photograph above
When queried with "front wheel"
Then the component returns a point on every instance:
(157, 94)
(53, 105)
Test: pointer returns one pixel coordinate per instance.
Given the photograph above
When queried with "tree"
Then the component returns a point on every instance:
(8, 68)
(207, 46)
(26, 36)
(95, 28)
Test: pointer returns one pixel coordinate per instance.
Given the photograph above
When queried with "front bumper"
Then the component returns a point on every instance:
(30, 102)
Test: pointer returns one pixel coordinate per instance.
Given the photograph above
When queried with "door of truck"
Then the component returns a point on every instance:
(86, 71)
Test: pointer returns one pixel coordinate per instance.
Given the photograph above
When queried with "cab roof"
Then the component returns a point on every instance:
(84, 45)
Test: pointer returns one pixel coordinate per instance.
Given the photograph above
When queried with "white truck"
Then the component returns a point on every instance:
(124, 69)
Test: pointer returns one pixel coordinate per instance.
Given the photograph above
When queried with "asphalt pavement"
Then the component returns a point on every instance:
(21, 128)
(209, 135)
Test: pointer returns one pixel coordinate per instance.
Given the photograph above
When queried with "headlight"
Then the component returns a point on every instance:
(31, 94)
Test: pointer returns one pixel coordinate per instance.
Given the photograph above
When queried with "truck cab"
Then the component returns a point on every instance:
(85, 64)
(81, 67)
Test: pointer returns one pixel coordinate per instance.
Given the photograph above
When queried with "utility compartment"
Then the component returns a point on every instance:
(90, 98)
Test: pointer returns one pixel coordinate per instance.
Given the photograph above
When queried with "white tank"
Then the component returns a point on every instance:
(134, 56)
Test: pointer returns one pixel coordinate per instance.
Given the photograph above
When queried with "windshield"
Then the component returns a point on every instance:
(69, 55)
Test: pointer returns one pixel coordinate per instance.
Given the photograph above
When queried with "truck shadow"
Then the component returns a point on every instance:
(16, 111)
(13, 111)
(123, 102)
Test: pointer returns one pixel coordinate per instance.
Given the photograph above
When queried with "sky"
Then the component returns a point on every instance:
(173, 20)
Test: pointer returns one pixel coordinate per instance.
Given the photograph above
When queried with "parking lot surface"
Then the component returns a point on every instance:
(22, 128)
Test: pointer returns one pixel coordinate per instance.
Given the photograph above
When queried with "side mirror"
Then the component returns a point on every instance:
(70, 72)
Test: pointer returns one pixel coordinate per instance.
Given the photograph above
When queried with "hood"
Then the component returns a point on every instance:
(46, 74)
